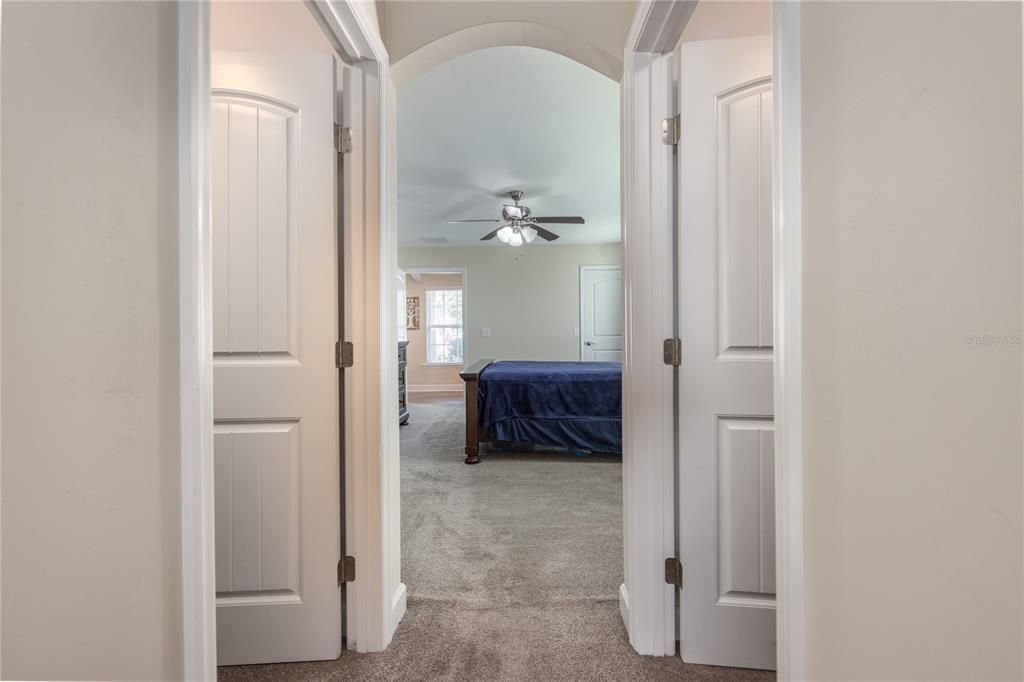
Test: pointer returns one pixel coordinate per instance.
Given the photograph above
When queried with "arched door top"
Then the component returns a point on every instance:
(505, 34)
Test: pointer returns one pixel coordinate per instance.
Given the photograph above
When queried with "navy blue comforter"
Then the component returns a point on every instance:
(566, 404)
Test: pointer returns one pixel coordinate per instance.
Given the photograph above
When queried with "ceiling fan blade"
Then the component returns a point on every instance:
(493, 233)
(564, 219)
(545, 234)
(478, 220)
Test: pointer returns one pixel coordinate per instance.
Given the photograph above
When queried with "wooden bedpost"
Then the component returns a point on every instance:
(471, 376)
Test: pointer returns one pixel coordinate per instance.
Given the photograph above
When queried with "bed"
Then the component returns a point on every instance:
(574, 405)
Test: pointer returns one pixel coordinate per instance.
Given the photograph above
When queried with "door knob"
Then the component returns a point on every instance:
(588, 343)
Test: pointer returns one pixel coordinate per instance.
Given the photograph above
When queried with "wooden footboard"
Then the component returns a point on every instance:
(474, 434)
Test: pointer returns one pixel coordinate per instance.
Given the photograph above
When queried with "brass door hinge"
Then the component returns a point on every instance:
(344, 354)
(346, 569)
(342, 139)
(674, 572)
(672, 352)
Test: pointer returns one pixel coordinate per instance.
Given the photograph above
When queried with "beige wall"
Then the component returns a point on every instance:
(417, 372)
(531, 304)
(408, 26)
(91, 536)
(273, 24)
(912, 228)
(262, 25)
(717, 20)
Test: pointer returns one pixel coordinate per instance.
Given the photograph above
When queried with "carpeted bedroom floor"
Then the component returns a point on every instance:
(512, 568)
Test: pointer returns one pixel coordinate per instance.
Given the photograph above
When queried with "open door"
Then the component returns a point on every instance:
(276, 388)
(726, 465)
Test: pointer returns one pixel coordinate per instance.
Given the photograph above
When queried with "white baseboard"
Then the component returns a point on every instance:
(436, 388)
(397, 610)
(624, 606)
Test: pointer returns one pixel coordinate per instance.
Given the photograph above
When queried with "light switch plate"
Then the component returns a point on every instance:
(575, 331)
(485, 331)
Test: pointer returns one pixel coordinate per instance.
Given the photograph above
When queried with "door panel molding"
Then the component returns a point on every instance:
(271, 281)
(265, 455)
(746, 461)
(744, 303)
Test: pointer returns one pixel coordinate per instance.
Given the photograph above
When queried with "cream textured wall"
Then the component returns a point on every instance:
(408, 26)
(912, 229)
(91, 536)
(273, 24)
(417, 373)
(262, 25)
(717, 20)
(531, 304)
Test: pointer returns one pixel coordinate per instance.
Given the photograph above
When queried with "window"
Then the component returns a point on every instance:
(444, 326)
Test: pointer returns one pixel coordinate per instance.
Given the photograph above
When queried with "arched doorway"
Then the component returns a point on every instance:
(505, 34)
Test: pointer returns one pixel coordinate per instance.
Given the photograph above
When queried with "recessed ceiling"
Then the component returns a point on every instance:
(507, 118)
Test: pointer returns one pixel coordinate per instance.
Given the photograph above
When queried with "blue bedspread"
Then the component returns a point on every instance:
(566, 404)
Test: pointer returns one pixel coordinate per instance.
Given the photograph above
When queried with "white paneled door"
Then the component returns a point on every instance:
(275, 288)
(726, 471)
(601, 313)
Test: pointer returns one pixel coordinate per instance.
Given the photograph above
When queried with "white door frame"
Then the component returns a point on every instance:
(646, 602)
(588, 268)
(376, 600)
(787, 243)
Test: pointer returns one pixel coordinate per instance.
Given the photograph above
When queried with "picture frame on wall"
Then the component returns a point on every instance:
(412, 313)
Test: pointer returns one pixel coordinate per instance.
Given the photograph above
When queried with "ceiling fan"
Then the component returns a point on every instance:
(520, 225)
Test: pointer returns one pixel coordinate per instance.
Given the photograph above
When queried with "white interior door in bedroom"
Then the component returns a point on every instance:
(601, 313)
(726, 429)
(275, 319)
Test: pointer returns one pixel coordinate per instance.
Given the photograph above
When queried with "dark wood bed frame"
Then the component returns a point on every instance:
(475, 434)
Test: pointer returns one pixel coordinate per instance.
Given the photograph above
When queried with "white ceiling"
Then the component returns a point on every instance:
(508, 118)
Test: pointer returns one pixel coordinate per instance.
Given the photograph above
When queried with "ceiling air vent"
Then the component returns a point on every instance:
(433, 240)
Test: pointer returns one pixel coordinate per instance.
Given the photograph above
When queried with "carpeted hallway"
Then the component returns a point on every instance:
(512, 567)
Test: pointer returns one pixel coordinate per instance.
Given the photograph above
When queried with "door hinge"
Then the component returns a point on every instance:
(346, 569)
(342, 139)
(344, 354)
(672, 351)
(674, 572)
(670, 129)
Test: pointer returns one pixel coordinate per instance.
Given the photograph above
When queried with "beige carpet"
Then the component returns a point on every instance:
(512, 567)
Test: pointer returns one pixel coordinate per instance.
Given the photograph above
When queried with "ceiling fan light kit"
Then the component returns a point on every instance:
(515, 236)
(520, 226)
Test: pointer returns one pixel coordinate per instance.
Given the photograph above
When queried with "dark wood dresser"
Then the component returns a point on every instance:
(403, 396)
